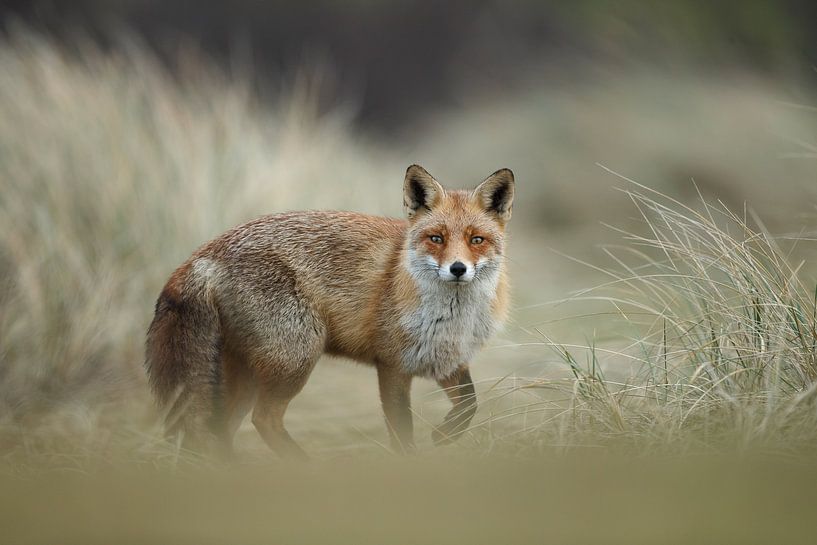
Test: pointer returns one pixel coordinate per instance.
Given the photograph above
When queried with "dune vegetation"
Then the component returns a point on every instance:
(665, 318)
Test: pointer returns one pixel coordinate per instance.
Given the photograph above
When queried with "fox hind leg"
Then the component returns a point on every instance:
(281, 372)
(240, 393)
(274, 396)
(281, 335)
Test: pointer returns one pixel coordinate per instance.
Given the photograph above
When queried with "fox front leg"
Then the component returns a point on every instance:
(395, 395)
(460, 390)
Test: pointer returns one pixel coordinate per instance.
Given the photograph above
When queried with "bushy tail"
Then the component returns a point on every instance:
(183, 360)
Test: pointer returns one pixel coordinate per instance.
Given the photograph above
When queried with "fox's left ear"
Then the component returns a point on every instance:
(495, 194)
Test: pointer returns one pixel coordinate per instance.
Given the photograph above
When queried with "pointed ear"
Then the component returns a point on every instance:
(421, 192)
(495, 194)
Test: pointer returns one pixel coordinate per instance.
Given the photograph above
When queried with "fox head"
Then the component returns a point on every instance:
(456, 236)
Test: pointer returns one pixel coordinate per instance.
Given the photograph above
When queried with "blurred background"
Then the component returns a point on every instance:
(131, 131)
(396, 60)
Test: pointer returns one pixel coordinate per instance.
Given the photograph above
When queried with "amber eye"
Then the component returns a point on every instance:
(436, 239)
(477, 240)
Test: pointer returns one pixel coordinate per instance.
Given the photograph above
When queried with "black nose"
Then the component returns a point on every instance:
(458, 269)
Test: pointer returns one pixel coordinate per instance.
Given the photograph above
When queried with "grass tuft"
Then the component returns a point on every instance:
(723, 355)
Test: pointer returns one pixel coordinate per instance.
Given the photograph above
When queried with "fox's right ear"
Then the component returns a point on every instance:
(421, 192)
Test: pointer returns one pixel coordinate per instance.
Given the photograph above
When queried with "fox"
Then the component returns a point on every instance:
(240, 325)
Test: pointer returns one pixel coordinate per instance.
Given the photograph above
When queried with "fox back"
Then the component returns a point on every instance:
(241, 323)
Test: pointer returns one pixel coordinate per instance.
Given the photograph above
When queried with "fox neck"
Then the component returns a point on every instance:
(451, 320)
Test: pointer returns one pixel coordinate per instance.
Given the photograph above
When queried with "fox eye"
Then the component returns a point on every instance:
(436, 239)
(477, 240)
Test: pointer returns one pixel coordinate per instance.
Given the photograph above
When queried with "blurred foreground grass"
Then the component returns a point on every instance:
(699, 341)
(586, 498)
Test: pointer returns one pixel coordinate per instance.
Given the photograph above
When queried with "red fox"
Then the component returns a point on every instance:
(240, 325)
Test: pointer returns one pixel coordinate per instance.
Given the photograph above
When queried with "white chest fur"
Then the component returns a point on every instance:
(451, 323)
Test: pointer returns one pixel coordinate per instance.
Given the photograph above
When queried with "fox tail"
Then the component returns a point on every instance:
(183, 361)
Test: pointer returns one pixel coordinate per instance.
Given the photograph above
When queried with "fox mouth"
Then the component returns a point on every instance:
(451, 279)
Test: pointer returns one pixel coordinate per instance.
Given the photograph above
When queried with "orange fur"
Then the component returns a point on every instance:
(240, 325)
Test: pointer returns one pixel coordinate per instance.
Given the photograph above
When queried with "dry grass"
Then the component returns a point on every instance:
(113, 170)
(717, 343)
